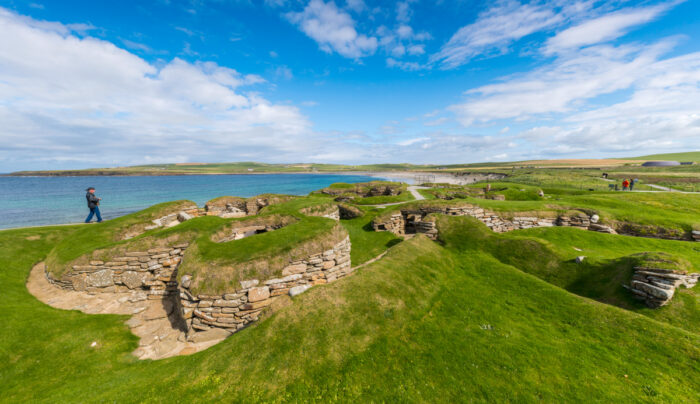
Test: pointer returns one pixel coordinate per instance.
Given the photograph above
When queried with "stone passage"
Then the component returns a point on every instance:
(233, 310)
(656, 286)
(417, 220)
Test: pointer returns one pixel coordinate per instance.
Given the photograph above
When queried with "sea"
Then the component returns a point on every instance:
(40, 201)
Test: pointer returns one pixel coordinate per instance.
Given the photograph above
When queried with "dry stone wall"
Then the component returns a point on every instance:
(331, 212)
(152, 272)
(415, 221)
(235, 309)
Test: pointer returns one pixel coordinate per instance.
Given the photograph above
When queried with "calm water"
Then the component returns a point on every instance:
(38, 201)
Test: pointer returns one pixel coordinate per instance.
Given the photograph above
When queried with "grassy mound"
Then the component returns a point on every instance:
(215, 266)
(610, 260)
(87, 239)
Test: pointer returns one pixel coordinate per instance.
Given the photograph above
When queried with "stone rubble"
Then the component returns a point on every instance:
(656, 286)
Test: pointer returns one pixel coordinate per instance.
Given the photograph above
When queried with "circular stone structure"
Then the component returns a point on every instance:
(661, 164)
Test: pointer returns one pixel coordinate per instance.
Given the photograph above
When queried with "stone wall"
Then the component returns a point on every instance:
(236, 309)
(656, 286)
(153, 272)
(414, 220)
(331, 212)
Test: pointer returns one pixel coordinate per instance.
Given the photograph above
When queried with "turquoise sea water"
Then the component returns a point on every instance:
(38, 201)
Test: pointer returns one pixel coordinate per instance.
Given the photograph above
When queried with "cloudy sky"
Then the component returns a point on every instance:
(94, 84)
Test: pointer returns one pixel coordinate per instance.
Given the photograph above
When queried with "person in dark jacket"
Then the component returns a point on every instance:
(93, 203)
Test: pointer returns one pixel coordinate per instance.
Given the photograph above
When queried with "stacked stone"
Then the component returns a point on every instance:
(233, 311)
(151, 271)
(174, 219)
(580, 221)
(333, 212)
(428, 228)
(696, 235)
(396, 223)
(247, 231)
(601, 228)
(656, 286)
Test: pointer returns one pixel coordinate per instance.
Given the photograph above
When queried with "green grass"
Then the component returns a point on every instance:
(549, 254)
(672, 211)
(425, 324)
(686, 156)
(367, 243)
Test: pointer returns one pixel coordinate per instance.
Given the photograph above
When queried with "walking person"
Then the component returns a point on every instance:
(93, 203)
(625, 185)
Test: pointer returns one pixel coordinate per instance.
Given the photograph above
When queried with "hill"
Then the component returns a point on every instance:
(685, 156)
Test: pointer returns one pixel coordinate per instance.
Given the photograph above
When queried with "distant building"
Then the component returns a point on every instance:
(661, 164)
(251, 169)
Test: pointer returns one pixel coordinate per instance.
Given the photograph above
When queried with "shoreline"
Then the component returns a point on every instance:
(397, 176)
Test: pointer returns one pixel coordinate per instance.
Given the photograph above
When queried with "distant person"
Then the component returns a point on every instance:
(93, 203)
(632, 182)
(488, 187)
(625, 185)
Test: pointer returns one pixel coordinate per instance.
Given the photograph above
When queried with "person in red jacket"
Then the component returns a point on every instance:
(625, 185)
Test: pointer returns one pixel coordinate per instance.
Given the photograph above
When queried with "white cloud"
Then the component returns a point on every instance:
(496, 28)
(658, 111)
(409, 142)
(561, 86)
(284, 72)
(357, 6)
(333, 29)
(66, 98)
(407, 66)
(416, 49)
(403, 11)
(605, 28)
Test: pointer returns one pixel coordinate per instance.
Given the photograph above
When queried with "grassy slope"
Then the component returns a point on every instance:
(549, 254)
(425, 323)
(686, 156)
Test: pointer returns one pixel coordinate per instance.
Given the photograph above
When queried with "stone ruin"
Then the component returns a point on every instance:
(235, 309)
(655, 285)
(418, 220)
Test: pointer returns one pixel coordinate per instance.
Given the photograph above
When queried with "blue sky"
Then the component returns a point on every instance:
(90, 84)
